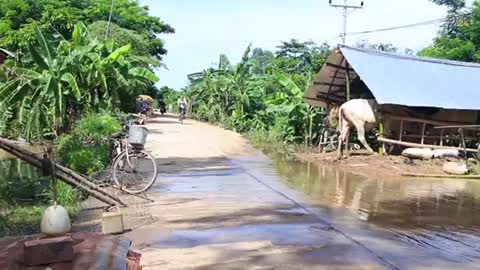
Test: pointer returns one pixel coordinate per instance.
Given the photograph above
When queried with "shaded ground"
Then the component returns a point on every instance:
(375, 165)
(217, 205)
(213, 215)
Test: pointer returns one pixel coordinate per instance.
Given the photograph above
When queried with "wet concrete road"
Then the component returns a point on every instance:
(220, 205)
(212, 212)
(228, 219)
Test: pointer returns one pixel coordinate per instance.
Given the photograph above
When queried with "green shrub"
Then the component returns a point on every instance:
(26, 220)
(96, 127)
(22, 220)
(86, 149)
(69, 198)
(269, 141)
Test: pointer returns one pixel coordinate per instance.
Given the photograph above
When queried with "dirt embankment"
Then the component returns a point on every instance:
(376, 165)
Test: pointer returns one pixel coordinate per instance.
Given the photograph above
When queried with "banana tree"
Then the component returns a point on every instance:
(292, 105)
(59, 79)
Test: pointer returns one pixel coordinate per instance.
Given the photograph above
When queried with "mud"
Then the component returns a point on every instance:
(369, 165)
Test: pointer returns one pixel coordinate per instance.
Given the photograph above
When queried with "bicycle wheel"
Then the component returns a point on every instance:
(134, 173)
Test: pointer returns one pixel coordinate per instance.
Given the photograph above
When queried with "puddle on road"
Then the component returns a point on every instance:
(442, 215)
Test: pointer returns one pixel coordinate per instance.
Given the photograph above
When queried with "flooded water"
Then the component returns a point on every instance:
(441, 215)
(20, 182)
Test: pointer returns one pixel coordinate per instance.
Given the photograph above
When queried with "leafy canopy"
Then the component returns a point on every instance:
(18, 19)
(263, 92)
(60, 79)
(459, 38)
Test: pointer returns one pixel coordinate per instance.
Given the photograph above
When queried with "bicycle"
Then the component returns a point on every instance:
(181, 116)
(134, 170)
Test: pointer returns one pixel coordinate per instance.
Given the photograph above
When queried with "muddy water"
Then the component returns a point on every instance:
(439, 215)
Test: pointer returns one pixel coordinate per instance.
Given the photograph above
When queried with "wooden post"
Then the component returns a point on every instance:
(423, 132)
(401, 131)
(347, 83)
(382, 133)
(51, 156)
(441, 137)
(347, 76)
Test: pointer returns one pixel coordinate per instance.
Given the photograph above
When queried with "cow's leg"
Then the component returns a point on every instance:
(344, 131)
(361, 136)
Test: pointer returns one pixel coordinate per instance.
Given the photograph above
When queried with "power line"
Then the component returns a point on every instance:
(399, 27)
(408, 25)
(345, 12)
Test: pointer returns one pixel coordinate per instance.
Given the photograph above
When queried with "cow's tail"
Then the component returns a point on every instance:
(340, 119)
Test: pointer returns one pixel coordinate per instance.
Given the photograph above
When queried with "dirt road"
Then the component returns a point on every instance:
(212, 212)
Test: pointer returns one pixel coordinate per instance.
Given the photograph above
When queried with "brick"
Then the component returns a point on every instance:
(49, 250)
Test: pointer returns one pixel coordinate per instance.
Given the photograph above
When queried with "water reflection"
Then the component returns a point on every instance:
(20, 183)
(441, 214)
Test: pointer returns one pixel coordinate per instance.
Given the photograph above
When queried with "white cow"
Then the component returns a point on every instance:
(358, 113)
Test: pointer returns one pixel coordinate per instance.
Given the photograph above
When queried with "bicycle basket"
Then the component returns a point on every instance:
(137, 135)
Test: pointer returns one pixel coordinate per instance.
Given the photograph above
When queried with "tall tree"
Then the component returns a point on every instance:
(58, 17)
(459, 38)
(383, 47)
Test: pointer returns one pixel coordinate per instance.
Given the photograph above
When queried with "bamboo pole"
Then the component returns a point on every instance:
(382, 133)
(83, 179)
(62, 176)
(65, 170)
(65, 174)
(416, 145)
(441, 176)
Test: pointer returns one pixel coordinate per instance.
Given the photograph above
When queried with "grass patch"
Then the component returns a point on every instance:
(26, 220)
(25, 193)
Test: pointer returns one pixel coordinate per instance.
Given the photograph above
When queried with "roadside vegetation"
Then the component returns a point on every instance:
(73, 77)
(262, 95)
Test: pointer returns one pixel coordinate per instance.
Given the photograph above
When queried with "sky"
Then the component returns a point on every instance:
(207, 28)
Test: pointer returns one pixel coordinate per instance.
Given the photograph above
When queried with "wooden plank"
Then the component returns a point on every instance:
(339, 66)
(438, 137)
(417, 145)
(459, 126)
(329, 84)
(437, 124)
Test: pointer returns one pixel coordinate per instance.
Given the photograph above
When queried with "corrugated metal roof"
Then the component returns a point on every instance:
(398, 79)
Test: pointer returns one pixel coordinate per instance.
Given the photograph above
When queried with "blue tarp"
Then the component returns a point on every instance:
(413, 81)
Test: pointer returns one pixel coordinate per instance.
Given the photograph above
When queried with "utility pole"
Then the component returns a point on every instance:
(109, 18)
(345, 12)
